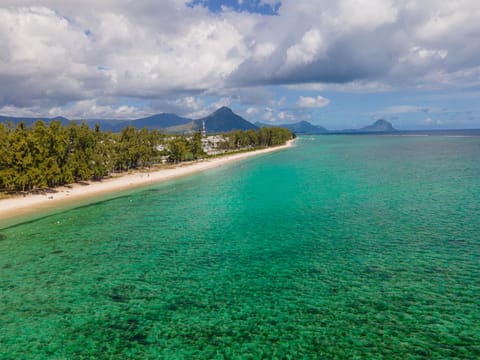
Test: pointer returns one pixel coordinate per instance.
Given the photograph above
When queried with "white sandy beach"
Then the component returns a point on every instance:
(24, 206)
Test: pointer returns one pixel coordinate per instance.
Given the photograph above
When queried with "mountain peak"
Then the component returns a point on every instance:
(382, 122)
(379, 125)
(304, 122)
(224, 119)
(224, 109)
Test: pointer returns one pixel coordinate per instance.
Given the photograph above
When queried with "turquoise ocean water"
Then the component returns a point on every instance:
(341, 247)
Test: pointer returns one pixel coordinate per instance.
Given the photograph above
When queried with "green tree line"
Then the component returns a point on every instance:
(45, 156)
(264, 137)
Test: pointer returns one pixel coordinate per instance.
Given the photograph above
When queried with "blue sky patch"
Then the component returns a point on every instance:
(251, 6)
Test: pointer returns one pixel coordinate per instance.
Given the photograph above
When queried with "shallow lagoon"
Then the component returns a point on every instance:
(344, 246)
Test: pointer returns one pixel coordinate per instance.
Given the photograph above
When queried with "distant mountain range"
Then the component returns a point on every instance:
(301, 127)
(222, 120)
(30, 121)
(304, 127)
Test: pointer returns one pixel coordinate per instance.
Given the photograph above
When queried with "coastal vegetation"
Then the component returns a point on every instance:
(45, 156)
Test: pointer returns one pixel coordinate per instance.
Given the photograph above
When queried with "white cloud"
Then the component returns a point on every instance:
(312, 102)
(221, 102)
(188, 106)
(263, 50)
(201, 110)
(286, 116)
(367, 14)
(61, 52)
(86, 109)
(350, 87)
(43, 59)
(445, 20)
(274, 116)
(52, 60)
(307, 50)
(15, 111)
(268, 115)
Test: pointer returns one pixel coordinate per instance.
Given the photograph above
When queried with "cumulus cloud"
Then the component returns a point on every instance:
(306, 50)
(43, 59)
(395, 43)
(83, 109)
(350, 87)
(275, 116)
(86, 109)
(244, 95)
(53, 55)
(312, 102)
(188, 106)
(60, 52)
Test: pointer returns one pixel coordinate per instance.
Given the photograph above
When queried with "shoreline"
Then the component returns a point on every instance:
(18, 207)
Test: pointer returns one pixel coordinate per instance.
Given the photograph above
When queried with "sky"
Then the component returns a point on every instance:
(338, 64)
